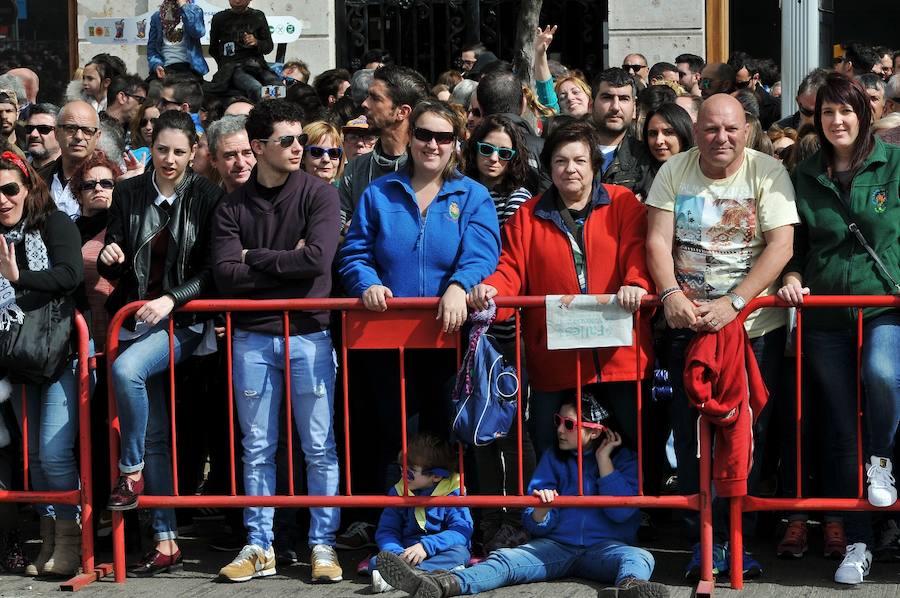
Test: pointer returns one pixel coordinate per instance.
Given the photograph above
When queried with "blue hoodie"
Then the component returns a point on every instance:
(585, 526)
(444, 527)
(391, 244)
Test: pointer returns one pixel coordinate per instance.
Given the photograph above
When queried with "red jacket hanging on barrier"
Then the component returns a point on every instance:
(722, 380)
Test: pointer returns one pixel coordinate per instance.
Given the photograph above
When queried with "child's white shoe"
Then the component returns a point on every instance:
(378, 583)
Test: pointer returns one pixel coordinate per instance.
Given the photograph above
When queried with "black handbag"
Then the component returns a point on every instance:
(37, 350)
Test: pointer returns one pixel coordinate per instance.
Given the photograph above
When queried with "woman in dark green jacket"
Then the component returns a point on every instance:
(853, 179)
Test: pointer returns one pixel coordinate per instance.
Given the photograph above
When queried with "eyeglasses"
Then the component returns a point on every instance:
(487, 150)
(315, 151)
(147, 121)
(287, 141)
(440, 137)
(570, 423)
(140, 99)
(633, 67)
(806, 111)
(42, 129)
(91, 185)
(163, 102)
(72, 129)
(476, 112)
(10, 189)
(354, 137)
(705, 83)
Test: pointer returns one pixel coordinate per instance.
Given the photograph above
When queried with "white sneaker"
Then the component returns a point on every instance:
(855, 566)
(378, 583)
(882, 492)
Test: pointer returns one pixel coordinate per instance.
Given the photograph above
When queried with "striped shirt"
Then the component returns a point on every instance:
(505, 332)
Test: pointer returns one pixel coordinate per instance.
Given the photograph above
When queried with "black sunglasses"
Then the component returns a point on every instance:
(633, 67)
(742, 84)
(476, 112)
(287, 141)
(440, 137)
(90, 185)
(487, 150)
(42, 129)
(147, 121)
(806, 111)
(140, 99)
(10, 189)
(315, 151)
(72, 129)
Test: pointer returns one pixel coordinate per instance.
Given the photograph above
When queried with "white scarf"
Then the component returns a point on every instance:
(36, 256)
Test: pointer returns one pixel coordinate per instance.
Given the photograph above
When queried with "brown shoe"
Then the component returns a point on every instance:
(156, 562)
(125, 495)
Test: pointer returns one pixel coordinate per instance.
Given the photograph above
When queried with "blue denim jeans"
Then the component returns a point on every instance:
(831, 357)
(769, 352)
(545, 560)
(446, 560)
(143, 415)
(258, 389)
(52, 430)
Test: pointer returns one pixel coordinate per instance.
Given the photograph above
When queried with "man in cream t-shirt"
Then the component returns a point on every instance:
(720, 230)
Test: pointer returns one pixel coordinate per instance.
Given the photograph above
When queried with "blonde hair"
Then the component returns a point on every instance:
(535, 105)
(319, 130)
(576, 80)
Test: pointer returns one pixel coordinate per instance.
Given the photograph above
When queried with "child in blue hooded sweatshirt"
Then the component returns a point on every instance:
(427, 539)
(592, 543)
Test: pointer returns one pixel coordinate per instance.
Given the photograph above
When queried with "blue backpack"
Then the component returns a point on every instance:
(484, 396)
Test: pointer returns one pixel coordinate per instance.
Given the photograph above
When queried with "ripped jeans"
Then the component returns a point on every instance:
(258, 391)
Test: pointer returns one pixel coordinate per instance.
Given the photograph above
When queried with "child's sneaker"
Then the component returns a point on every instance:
(378, 583)
(720, 562)
(793, 544)
(325, 565)
(358, 534)
(855, 566)
(252, 561)
(835, 540)
(882, 492)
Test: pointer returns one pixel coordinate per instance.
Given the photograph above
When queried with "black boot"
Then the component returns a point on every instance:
(438, 585)
(398, 572)
(631, 587)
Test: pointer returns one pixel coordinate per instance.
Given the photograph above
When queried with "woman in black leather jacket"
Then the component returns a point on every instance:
(157, 248)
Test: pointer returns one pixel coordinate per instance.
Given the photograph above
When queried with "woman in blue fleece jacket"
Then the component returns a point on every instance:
(424, 231)
(566, 541)
(432, 538)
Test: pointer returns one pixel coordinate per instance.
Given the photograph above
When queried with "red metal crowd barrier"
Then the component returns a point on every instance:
(407, 324)
(740, 505)
(83, 495)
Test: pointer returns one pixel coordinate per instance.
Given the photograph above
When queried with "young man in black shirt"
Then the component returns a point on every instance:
(239, 39)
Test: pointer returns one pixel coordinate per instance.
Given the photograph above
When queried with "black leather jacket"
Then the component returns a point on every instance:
(631, 167)
(134, 221)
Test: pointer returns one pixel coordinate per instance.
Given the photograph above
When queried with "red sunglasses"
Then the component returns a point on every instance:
(570, 423)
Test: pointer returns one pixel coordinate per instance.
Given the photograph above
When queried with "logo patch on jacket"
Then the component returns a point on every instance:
(879, 200)
(454, 210)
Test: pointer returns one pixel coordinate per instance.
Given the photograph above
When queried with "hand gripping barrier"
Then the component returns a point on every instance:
(83, 495)
(407, 324)
(745, 504)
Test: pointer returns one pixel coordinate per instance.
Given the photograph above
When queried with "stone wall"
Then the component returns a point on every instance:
(658, 29)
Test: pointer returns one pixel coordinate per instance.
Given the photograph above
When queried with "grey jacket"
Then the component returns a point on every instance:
(361, 171)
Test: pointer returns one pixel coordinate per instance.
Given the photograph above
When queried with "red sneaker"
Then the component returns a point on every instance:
(835, 540)
(793, 545)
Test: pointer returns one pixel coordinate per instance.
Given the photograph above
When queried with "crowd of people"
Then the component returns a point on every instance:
(681, 180)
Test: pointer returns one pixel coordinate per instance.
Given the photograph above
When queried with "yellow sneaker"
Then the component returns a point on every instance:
(252, 561)
(325, 565)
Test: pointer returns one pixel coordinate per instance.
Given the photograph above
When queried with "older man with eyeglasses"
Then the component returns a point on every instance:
(77, 133)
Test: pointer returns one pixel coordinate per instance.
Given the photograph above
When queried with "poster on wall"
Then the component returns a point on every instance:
(135, 30)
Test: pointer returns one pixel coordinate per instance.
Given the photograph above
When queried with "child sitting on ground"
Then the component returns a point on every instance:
(591, 543)
(426, 539)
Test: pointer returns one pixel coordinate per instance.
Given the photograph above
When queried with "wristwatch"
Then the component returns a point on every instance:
(737, 302)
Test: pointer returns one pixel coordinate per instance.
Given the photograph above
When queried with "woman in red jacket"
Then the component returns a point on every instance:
(580, 236)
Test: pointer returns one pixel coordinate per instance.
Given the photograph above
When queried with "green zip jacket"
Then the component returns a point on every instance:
(827, 254)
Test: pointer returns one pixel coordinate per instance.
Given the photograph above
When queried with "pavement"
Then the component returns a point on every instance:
(810, 577)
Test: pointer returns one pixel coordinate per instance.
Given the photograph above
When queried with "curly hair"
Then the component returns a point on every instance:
(428, 452)
(96, 160)
(516, 173)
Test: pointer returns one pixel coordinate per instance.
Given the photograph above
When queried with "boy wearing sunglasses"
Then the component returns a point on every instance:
(426, 539)
(592, 543)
